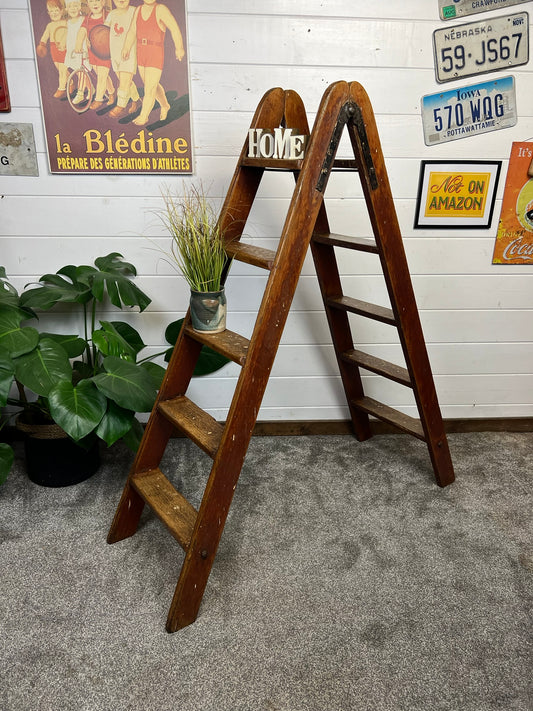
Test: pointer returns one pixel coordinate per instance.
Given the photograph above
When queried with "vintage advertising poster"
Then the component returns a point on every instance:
(514, 240)
(114, 85)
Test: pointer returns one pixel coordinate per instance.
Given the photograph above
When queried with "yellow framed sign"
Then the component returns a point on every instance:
(456, 193)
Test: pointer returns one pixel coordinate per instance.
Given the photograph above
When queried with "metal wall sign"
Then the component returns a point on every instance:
(459, 113)
(481, 47)
(17, 149)
(450, 9)
(514, 240)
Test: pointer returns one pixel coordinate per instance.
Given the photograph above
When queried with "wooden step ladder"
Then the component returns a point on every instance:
(198, 532)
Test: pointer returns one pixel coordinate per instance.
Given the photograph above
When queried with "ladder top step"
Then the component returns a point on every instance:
(403, 422)
(227, 343)
(361, 244)
(250, 254)
(178, 515)
(363, 308)
(194, 422)
(273, 163)
(341, 164)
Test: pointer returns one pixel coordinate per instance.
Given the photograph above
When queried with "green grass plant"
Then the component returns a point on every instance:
(197, 246)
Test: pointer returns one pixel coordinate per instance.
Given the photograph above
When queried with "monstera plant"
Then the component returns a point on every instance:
(91, 383)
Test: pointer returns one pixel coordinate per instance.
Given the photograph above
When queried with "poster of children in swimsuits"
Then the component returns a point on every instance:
(114, 84)
(514, 240)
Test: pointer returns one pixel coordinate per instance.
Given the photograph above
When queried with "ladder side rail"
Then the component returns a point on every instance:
(158, 431)
(387, 232)
(330, 286)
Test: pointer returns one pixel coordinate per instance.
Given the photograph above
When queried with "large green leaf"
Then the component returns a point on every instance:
(6, 461)
(118, 339)
(7, 371)
(44, 367)
(116, 423)
(8, 294)
(74, 345)
(129, 385)
(157, 372)
(16, 339)
(78, 410)
(52, 289)
(113, 278)
(132, 439)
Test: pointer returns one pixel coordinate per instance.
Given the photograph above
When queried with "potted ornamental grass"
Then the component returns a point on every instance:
(71, 391)
(198, 251)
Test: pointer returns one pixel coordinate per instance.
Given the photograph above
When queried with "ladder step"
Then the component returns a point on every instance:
(294, 163)
(363, 308)
(173, 509)
(388, 414)
(194, 422)
(256, 256)
(227, 343)
(379, 366)
(273, 163)
(345, 164)
(361, 244)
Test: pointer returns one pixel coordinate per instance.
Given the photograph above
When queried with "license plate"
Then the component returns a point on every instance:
(449, 9)
(470, 110)
(481, 47)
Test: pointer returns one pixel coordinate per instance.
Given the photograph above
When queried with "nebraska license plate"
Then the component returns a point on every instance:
(470, 110)
(450, 9)
(480, 47)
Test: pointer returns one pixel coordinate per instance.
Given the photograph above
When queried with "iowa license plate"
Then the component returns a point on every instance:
(450, 9)
(481, 47)
(470, 110)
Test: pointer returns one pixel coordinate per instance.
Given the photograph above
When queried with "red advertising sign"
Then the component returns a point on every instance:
(114, 85)
(514, 241)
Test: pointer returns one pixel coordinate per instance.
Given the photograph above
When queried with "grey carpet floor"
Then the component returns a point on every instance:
(345, 579)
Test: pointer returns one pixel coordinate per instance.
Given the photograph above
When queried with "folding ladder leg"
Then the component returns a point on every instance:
(367, 148)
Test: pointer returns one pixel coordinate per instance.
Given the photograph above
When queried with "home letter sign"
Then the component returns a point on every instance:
(279, 143)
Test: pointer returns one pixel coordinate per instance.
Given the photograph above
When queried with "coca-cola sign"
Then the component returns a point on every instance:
(514, 240)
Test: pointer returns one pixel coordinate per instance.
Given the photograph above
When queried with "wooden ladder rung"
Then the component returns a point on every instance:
(194, 422)
(256, 256)
(229, 344)
(363, 308)
(378, 365)
(388, 414)
(173, 509)
(345, 164)
(273, 163)
(361, 244)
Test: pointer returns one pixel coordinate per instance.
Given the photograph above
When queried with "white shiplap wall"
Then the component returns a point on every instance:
(477, 318)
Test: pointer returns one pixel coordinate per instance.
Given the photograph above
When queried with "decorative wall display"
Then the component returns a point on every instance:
(460, 8)
(5, 104)
(514, 240)
(470, 110)
(480, 47)
(114, 85)
(456, 193)
(17, 149)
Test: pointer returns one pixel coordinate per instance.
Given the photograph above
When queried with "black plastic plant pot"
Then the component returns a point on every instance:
(59, 462)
